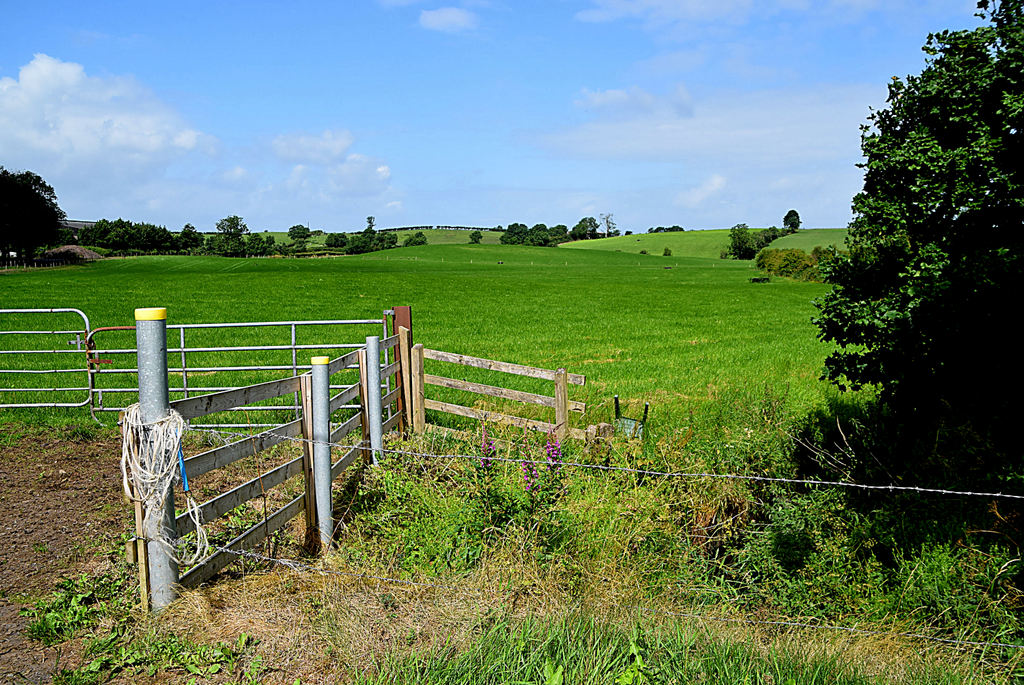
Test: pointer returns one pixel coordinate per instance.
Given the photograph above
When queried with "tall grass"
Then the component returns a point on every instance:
(582, 648)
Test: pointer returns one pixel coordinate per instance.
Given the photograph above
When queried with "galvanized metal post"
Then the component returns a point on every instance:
(373, 408)
(154, 404)
(322, 449)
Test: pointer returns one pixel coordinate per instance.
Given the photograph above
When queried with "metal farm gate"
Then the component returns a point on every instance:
(39, 365)
(54, 358)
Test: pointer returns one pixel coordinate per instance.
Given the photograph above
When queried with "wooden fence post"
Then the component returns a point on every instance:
(312, 542)
(405, 376)
(561, 404)
(136, 548)
(418, 393)
(402, 319)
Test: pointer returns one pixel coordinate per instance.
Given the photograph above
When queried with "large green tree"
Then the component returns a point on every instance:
(924, 302)
(29, 214)
(585, 229)
(189, 240)
(515, 234)
(299, 233)
(230, 238)
(741, 242)
(791, 222)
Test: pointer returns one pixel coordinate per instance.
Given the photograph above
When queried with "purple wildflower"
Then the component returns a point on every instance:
(554, 450)
(529, 475)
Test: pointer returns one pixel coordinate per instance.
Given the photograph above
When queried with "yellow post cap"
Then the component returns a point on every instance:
(320, 360)
(151, 314)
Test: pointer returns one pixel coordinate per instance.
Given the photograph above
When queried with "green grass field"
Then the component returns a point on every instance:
(672, 336)
(807, 240)
(730, 369)
(704, 243)
(438, 237)
(686, 244)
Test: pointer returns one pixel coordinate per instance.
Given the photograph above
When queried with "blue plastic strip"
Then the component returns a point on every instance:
(181, 466)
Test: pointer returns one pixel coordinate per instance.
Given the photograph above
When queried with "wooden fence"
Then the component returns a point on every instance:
(416, 381)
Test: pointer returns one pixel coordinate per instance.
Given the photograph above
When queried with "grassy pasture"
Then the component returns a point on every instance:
(438, 237)
(726, 365)
(807, 240)
(673, 336)
(707, 244)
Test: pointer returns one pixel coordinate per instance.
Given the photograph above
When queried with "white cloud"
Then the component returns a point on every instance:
(358, 175)
(682, 14)
(329, 146)
(448, 20)
(234, 174)
(110, 147)
(767, 127)
(694, 197)
(57, 119)
(635, 101)
(739, 157)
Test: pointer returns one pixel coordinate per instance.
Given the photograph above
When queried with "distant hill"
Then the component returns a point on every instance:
(458, 237)
(704, 243)
(685, 244)
(808, 239)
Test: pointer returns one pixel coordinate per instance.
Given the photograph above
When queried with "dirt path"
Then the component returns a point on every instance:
(60, 510)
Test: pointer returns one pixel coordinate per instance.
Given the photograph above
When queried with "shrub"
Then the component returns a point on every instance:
(666, 253)
(791, 263)
(416, 239)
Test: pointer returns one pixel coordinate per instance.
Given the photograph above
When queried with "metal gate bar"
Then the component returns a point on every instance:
(95, 358)
(183, 350)
(79, 334)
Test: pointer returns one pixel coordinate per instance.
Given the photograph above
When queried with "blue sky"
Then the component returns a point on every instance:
(474, 112)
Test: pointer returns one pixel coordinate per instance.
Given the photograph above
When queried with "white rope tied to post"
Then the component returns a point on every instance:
(149, 462)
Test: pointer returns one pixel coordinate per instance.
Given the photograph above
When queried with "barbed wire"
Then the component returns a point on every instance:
(649, 472)
(299, 566)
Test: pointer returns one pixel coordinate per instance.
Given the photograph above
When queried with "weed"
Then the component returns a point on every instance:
(76, 603)
(117, 652)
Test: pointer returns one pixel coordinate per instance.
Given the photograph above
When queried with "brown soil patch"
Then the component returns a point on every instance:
(60, 504)
(73, 253)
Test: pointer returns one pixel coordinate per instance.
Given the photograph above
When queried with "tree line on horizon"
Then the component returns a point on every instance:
(27, 200)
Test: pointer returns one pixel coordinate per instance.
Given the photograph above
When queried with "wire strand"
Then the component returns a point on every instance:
(660, 474)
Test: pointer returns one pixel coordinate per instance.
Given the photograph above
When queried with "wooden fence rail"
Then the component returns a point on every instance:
(416, 379)
(401, 406)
